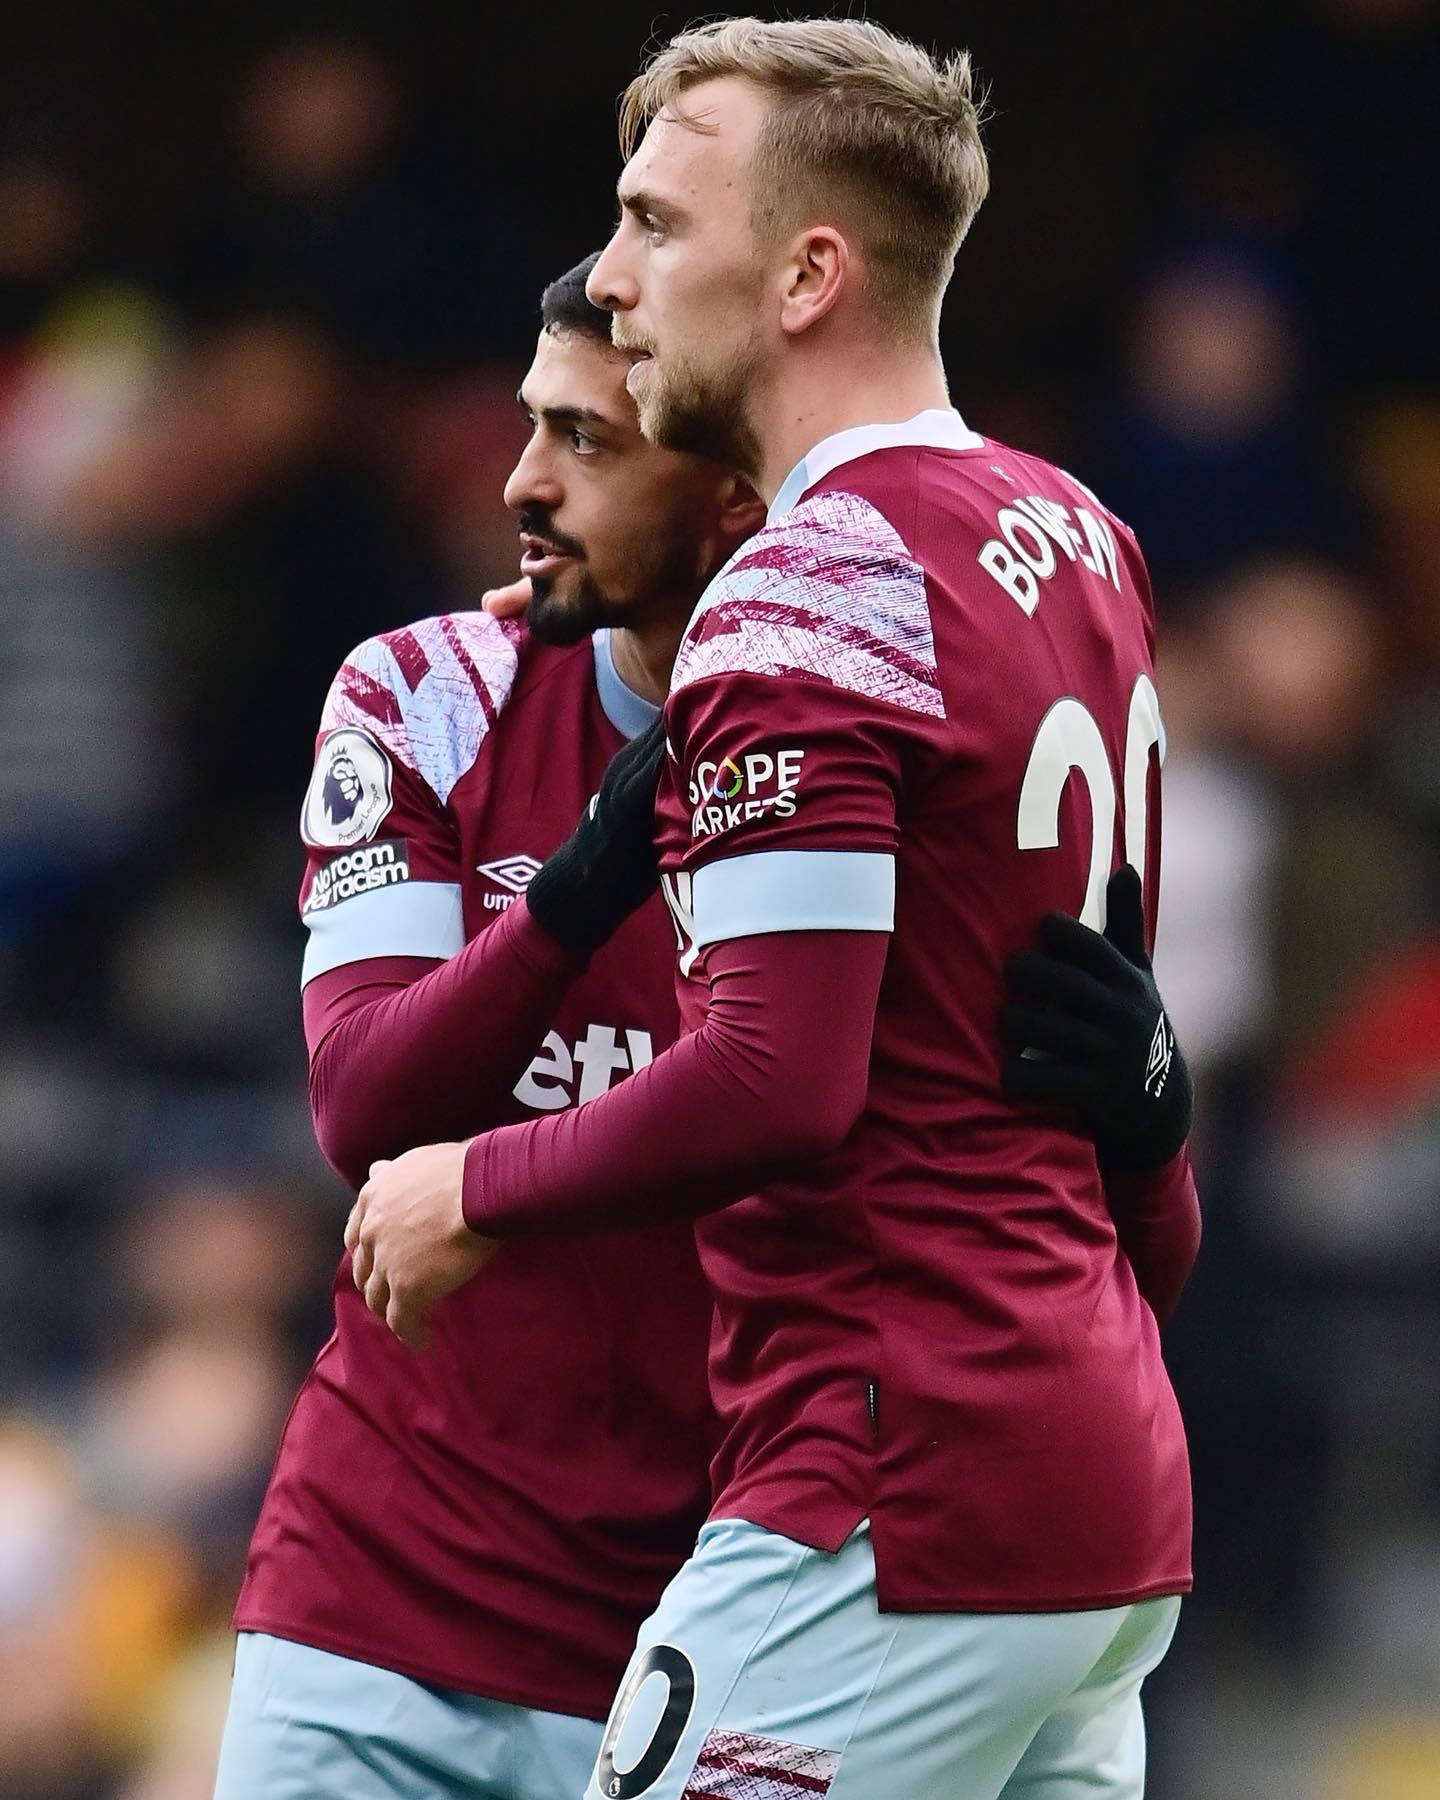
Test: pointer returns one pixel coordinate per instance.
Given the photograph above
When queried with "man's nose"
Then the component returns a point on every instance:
(533, 481)
(611, 286)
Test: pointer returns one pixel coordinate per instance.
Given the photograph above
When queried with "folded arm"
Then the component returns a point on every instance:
(405, 1050)
(757, 1086)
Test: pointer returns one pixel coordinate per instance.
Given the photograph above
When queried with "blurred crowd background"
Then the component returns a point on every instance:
(268, 276)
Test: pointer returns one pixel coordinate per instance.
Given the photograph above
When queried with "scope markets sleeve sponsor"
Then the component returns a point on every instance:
(737, 789)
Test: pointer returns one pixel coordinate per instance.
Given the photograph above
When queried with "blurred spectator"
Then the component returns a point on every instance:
(80, 772)
(96, 359)
(180, 1431)
(1298, 667)
(116, 1551)
(339, 213)
(177, 1429)
(47, 214)
(1398, 468)
(1287, 872)
(88, 1615)
(241, 412)
(48, 1734)
(184, 1723)
(269, 538)
(1209, 458)
(1221, 845)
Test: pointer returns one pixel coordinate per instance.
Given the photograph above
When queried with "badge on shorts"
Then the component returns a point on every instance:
(349, 793)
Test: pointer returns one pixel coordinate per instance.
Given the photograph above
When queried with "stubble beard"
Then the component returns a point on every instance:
(702, 412)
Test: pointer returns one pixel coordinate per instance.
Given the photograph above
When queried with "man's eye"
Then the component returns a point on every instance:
(583, 444)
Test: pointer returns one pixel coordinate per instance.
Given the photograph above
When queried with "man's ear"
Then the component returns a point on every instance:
(742, 511)
(813, 278)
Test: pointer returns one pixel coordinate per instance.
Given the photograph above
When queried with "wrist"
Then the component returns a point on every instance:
(1134, 1166)
(562, 901)
(554, 900)
(1142, 1147)
(539, 943)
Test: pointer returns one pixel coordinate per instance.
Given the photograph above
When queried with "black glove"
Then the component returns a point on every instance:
(1089, 1004)
(607, 867)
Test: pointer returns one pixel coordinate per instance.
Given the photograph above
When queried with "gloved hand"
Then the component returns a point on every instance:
(586, 889)
(1090, 1005)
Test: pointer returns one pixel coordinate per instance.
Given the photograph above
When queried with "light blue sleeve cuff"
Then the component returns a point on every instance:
(793, 890)
(413, 918)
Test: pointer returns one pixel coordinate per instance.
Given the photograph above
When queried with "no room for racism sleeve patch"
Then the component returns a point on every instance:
(358, 871)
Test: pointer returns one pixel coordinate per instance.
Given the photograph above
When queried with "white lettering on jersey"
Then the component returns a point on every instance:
(548, 1084)
(358, 871)
(1031, 531)
(751, 786)
(599, 1057)
(679, 893)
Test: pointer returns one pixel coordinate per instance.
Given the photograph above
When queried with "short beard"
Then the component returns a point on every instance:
(556, 619)
(703, 414)
(670, 576)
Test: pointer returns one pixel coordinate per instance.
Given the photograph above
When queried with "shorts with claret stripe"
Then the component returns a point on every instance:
(768, 1673)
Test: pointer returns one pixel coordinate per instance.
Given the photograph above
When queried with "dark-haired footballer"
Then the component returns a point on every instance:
(457, 1548)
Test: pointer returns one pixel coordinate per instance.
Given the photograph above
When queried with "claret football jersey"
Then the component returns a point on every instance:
(921, 701)
(498, 1513)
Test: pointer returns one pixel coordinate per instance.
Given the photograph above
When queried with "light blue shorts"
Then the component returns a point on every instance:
(306, 1725)
(768, 1672)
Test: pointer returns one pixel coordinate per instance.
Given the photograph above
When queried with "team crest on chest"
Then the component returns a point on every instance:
(349, 793)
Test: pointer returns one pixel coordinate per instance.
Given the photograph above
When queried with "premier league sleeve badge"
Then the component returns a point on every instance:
(349, 793)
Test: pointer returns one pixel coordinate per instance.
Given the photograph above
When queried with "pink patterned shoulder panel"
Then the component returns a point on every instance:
(428, 693)
(827, 593)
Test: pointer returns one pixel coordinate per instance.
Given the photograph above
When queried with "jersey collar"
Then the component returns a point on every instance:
(938, 428)
(630, 713)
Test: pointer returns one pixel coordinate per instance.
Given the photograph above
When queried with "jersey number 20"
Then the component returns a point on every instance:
(1069, 739)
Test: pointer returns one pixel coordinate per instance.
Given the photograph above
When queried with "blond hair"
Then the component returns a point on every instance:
(862, 125)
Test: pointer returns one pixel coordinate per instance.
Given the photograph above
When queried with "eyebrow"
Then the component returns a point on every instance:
(564, 415)
(640, 200)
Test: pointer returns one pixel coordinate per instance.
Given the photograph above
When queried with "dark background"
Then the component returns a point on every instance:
(268, 276)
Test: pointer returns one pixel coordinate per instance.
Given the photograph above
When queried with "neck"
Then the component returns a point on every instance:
(821, 395)
(645, 654)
